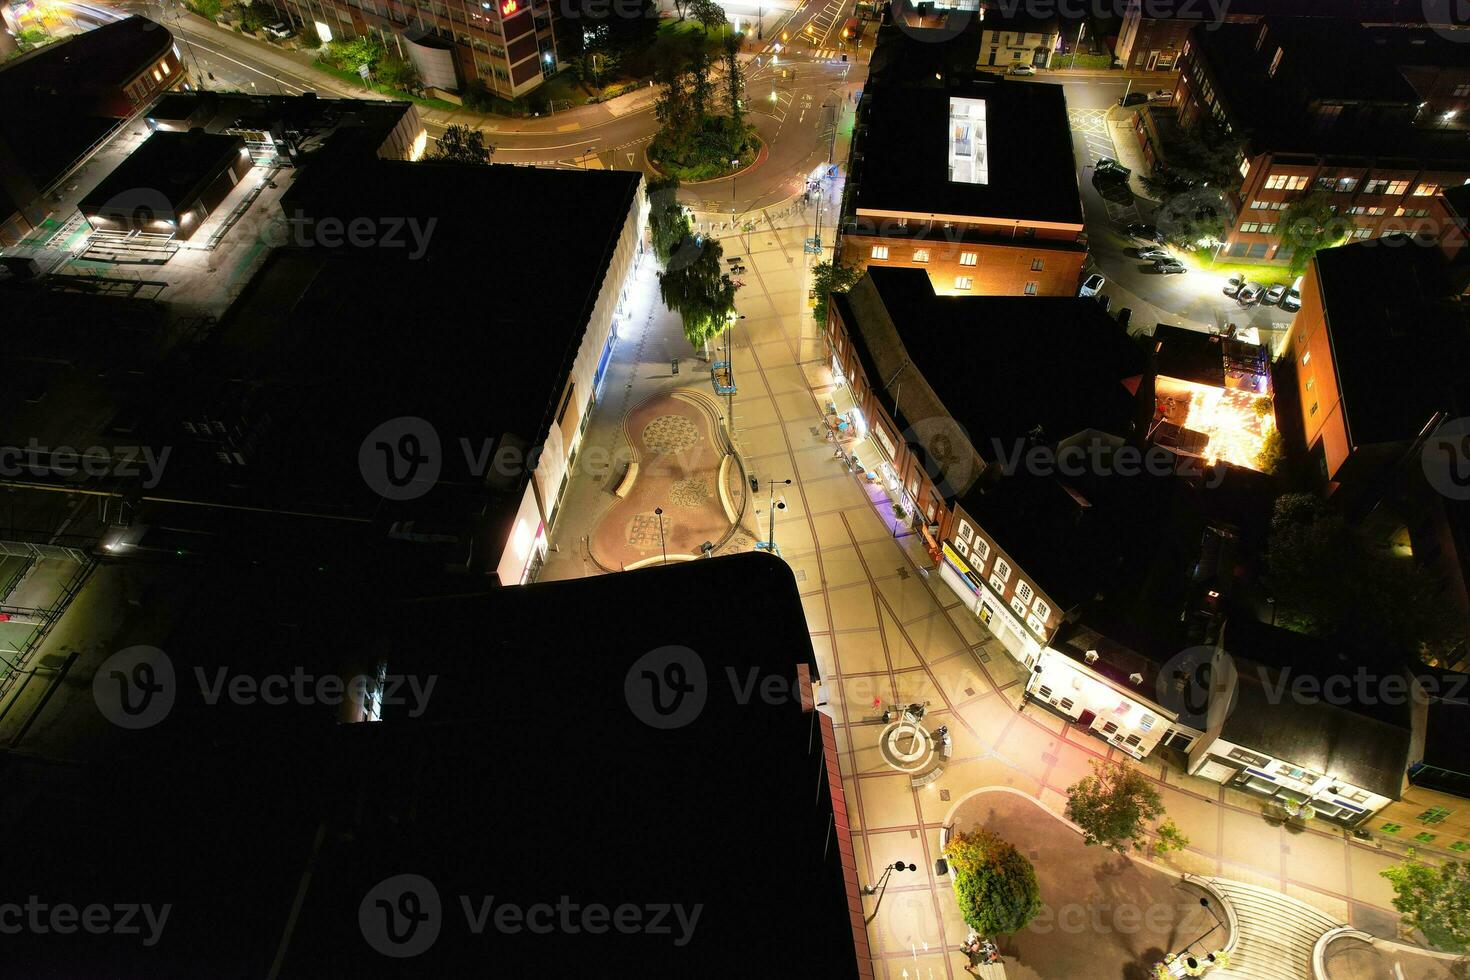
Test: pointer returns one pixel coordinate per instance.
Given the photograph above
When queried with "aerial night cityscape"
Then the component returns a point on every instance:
(893, 489)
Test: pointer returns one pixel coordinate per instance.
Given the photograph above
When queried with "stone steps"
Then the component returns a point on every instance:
(1276, 933)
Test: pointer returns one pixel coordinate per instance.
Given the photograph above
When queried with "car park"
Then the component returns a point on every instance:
(1233, 285)
(1274, 295)
(1250, 293)
(1143, 235)
(1112, 169)
(1169, 267)
(1091, 285)
(1153, 254)
(1021, 68)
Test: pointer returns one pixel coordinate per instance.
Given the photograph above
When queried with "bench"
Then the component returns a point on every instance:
(626, 483)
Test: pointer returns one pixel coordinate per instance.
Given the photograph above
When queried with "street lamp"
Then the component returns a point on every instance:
(734, 164)
(730, 371)
(882, 885)
(659, 513)
(774, 505)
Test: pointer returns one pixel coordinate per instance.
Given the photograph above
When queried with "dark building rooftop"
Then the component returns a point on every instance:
(527, 773)
(165, 175)
(1399, 342)
(79, 66)
(903, 154)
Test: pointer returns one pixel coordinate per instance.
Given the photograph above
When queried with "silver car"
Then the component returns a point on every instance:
(1250, 293)
(1154, 255)
(1091, 285)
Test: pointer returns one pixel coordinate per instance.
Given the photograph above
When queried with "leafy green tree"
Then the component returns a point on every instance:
(667, 222)
(708, 12)
(1113, 806)
(594, 65)
(1309, 224)
(734, 76)
(396, 73)
(995, 885)
(1201, 156)
(1273, 452)
(1193, 218)
(1170, 838)
(829, 278)
(1436, 901)
(699, 290)
(1327, 583)
(701, 86)
(462, 144)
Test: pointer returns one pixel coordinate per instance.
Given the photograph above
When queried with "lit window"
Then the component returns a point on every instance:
(1041, 609)
(1002, 569)
(963, 282)
(1426, 190)
(157, 76)
(1030, 289)
(164, 66)
(1314, 409)
(1306, 358)
(981, 548)
(969, 258)
(1023, 591)
(921, 255)
(1037, 265)
(879, 252)
(1275, 63)
(969, 160)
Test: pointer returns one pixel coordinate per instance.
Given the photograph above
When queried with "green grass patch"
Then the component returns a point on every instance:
(706, 152)
(1095, 62)
(1262, 272)
(355, 80)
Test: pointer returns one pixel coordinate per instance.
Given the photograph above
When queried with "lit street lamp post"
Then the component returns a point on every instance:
(770, 542)
(882, 885)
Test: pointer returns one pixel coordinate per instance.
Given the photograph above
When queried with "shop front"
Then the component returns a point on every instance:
(987, 607)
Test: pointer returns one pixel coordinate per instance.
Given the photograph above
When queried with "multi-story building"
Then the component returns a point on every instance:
(65, 99)
(975, 183)
(1012, 37)
(1323, 111)
(511, 45)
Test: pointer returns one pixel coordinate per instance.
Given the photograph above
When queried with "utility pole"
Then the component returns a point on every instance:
(770, 542)
(659, 513)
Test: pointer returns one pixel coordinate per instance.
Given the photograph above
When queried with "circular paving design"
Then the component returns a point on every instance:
(670, 434)
(906, 746)
(691, 492)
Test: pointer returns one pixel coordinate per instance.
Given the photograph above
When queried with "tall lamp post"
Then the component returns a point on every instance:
(730, 370)
(880, 888)
(659, 513)
(734, 165)
(770, 543)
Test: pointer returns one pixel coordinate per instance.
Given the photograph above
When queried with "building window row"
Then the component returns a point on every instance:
(1257, 228)
(1285, 182)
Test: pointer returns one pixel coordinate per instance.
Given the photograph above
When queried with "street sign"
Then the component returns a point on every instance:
(363, 71)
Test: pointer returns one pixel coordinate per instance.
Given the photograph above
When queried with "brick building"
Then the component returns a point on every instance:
(1327, 111)
(975, 183)
(509, 44)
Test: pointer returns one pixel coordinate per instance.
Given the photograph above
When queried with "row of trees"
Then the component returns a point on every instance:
(368, 50)
(694, 283)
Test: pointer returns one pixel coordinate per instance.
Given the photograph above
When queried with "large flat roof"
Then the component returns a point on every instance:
(528, 776)
(168, 169)
(1399, 339)
(906, 154)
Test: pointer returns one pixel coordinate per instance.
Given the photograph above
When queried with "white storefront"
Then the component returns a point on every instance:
(988, 607)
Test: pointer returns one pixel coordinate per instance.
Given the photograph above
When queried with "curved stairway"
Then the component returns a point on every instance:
(1276, 933)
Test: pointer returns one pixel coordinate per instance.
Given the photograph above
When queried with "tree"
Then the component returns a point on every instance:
(681, 7)
(700, 86)
(667, 222)
(1436, 901)
(1273, 452)
(476, 95)
(1327, 583)
(829, 278)
(397, 73)
(1193, 218)
(594, 65)
(699, 290)
(995, 885)
(1309, 224)
(1170, 838)
(708, 12)
(1113, 806)
(734, 76)
(1201, 156)
(462, 144)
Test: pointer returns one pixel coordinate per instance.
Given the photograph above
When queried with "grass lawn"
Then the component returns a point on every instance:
(1262, 272)
(1090, 61)
(354, 79)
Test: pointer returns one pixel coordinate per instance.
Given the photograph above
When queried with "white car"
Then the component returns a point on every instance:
(1292, 300)
(1250, 293)
(280, 29)
(1021, 68)
(1153, 254)
(1092, 285)
(1161, 95)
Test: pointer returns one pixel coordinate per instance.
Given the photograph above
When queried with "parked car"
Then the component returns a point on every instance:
(1144, 236)
(1108, 167)
(1161, 95)
(1250, 293)
(1291, 301)
(1169, 267)
(1133, 98)
(1153, 254)
(1274, 295)
(1091, 285)
(1021, 68)
(280, 29)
